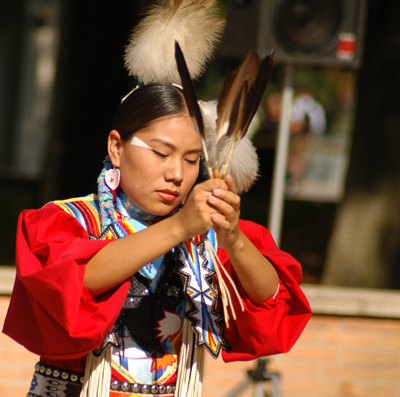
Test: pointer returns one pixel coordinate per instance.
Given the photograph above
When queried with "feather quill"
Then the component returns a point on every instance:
(189, 92)
(259, 86)
(252, 86)
(231, 90)
(235, 130)
(150, 52)
(244, 164)
(235, 113)
(239, 100)
(192, 103)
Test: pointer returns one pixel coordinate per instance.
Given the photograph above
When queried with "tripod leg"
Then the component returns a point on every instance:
(275, 384)
(259, 390)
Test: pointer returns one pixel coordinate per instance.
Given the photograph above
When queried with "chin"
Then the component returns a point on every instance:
(161, 210)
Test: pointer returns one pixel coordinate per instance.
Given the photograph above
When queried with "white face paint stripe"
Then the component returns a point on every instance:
(138, 142)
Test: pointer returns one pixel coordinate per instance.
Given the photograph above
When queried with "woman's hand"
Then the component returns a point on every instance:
(256, 274)
(198, 213)
(213, 203)
(226, 220)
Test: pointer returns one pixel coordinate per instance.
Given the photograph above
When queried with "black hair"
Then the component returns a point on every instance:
(145, 105)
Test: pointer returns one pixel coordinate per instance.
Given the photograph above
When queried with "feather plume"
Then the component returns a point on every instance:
(240, 102)
(244, 163)
(189, 92)
(232, 90)
(150, 52)
(192, 103)
(259, 86)
(235, 131)
(237, 105)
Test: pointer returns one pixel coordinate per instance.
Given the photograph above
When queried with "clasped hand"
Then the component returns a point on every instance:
(213, 204)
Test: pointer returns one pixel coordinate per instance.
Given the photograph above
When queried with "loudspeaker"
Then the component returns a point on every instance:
(312, 32)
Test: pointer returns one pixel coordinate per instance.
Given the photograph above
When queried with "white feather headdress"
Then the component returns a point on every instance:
(193, 23)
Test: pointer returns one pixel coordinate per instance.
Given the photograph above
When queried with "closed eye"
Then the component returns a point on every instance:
(193, 161)
(162, 155)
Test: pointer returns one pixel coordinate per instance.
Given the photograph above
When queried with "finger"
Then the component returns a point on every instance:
(230, 183)
(229, 197)
(220, 222)
(224, 208)
(213, 207)
(212, 184)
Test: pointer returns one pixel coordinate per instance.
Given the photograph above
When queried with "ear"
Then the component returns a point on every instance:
(114, 147)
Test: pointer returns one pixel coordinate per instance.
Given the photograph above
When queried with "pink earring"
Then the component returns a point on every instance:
(112, 178)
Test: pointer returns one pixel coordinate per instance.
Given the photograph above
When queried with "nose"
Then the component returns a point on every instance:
(174, 171)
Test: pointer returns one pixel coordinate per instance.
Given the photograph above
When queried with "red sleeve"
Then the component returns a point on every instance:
(51, 312)
(274, 326)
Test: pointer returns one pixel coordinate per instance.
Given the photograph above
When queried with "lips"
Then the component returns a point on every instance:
(167, 194)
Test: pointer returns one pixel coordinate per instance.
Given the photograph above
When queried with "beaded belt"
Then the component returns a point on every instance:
(132, 389)
(56, 382)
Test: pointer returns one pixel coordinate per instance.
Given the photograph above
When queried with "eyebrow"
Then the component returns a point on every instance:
(172, 146)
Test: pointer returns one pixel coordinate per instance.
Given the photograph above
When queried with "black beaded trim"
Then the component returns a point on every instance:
(116, 385)
(56, 373)
(142, 389)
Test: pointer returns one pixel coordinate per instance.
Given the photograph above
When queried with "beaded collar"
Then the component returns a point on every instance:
(128, 209)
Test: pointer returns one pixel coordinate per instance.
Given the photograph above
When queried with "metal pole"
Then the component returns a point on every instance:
(280, 163)
(259, 390)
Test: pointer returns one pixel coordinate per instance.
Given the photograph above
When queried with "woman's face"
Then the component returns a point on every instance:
(158, 177)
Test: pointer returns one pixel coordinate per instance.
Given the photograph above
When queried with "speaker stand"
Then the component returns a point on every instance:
(258, 377)
(281, 155)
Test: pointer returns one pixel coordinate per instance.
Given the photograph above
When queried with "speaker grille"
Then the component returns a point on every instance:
(307, 26)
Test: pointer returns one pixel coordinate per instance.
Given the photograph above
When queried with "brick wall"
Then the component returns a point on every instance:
(16, 363)
(335, 356)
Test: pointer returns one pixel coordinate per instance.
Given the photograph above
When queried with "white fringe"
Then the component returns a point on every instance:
(97, 375)
(223, 289)
(190, 366)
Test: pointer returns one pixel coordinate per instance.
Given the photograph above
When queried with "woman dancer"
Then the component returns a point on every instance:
(117, 292)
